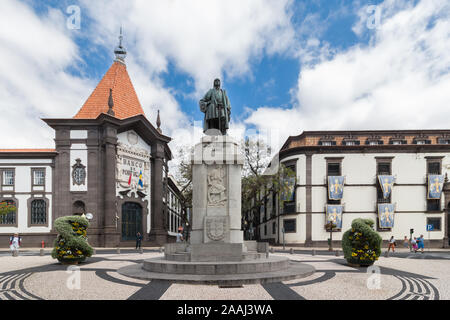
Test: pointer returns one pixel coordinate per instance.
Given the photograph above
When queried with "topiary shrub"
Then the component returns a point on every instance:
(71, 245)
(361, 244)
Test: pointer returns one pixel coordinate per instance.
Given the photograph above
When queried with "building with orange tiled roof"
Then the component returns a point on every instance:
(108, 160)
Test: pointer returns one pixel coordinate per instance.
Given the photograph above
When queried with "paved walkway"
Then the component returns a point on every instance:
(34, 277)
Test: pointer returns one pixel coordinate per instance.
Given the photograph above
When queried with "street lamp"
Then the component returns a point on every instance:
(330, 226)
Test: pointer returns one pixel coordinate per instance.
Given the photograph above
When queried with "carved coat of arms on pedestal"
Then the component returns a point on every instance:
(217, 192)
(216, 227)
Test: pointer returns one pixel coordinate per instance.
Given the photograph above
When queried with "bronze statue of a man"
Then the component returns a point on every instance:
(216, 107)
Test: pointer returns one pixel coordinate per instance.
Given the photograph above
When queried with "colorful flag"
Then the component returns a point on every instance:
(129, 179)
(435, 184)
(140, 182)
(334, 215)
(288, 193)
(335, 187)
(386, 183)
(386, 215)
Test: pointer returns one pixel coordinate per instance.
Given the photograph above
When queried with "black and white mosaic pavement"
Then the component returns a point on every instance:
(34, 277)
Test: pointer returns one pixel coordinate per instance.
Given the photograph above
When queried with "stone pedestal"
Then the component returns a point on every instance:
(216, 203)
(216, 177)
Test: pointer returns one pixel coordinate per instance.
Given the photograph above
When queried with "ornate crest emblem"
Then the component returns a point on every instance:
(216, 227)
(78, 173)
(132, 137)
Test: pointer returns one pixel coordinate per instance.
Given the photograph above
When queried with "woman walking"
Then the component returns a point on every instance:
(406, 242)
(391, 244)
(414, 244)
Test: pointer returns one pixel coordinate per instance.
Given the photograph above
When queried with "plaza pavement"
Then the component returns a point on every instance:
(403, 275)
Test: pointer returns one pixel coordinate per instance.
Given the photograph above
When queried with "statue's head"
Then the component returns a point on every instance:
(217, 83)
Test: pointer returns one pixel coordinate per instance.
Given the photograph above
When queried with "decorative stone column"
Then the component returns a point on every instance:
(446, 214)
(112, 234)
(158, 233)
(308, 240)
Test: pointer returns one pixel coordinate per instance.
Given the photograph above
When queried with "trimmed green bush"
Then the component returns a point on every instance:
(361, 244)
(71, 245)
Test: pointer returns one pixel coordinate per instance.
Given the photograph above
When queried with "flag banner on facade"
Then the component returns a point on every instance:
(334, 215)
(288, 195)
(435, 184)
(335, 187)
(141, 183)
(386, 183)
(386, 215)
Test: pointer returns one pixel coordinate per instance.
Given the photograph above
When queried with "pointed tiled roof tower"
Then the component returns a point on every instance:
(116, 84)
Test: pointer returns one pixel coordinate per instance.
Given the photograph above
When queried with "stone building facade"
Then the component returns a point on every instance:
(108, 160)
(409, 157)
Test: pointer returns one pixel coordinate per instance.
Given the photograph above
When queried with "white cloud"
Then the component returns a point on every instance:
(201, 39)
(400, 80)
(34, 53)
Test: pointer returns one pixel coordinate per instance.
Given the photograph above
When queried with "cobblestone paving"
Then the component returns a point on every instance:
(34, 277)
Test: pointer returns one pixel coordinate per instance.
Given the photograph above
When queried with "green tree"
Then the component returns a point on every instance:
(183, 176)
(262, 174)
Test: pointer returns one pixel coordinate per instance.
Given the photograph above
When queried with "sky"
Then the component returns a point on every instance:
(287, 66)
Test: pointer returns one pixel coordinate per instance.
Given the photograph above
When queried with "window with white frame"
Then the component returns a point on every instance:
(38, 177)
(8, 177)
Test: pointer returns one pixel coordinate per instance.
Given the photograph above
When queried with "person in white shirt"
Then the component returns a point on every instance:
(14, 244)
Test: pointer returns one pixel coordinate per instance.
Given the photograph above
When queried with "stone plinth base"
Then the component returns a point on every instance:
(267, 271)
(215, 251)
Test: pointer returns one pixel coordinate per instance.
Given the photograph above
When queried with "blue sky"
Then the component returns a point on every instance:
(287, 66)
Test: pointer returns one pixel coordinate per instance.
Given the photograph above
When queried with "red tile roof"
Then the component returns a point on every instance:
(126, 102)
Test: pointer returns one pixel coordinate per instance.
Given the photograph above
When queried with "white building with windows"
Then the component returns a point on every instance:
(417, 162)
(176, 213)
(26, 183)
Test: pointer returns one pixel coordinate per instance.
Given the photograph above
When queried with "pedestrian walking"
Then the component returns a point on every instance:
(14, 244)
(391, 244)
(414, 244)
(138, 240)
(421, 243)
(406, 242)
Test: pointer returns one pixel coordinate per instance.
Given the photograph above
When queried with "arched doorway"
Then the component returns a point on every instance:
(131, 220)
(78, 208)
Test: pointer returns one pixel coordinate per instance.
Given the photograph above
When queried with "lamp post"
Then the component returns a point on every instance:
(330, 226)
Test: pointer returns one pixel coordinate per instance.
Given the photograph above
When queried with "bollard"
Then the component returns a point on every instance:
(292, 251)
(313, 252)
(272, 250)
(118, 250)
(41, 252)
(94, 252)
(337, 253)
(161, 249)
(386, 254)
(141, 251)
